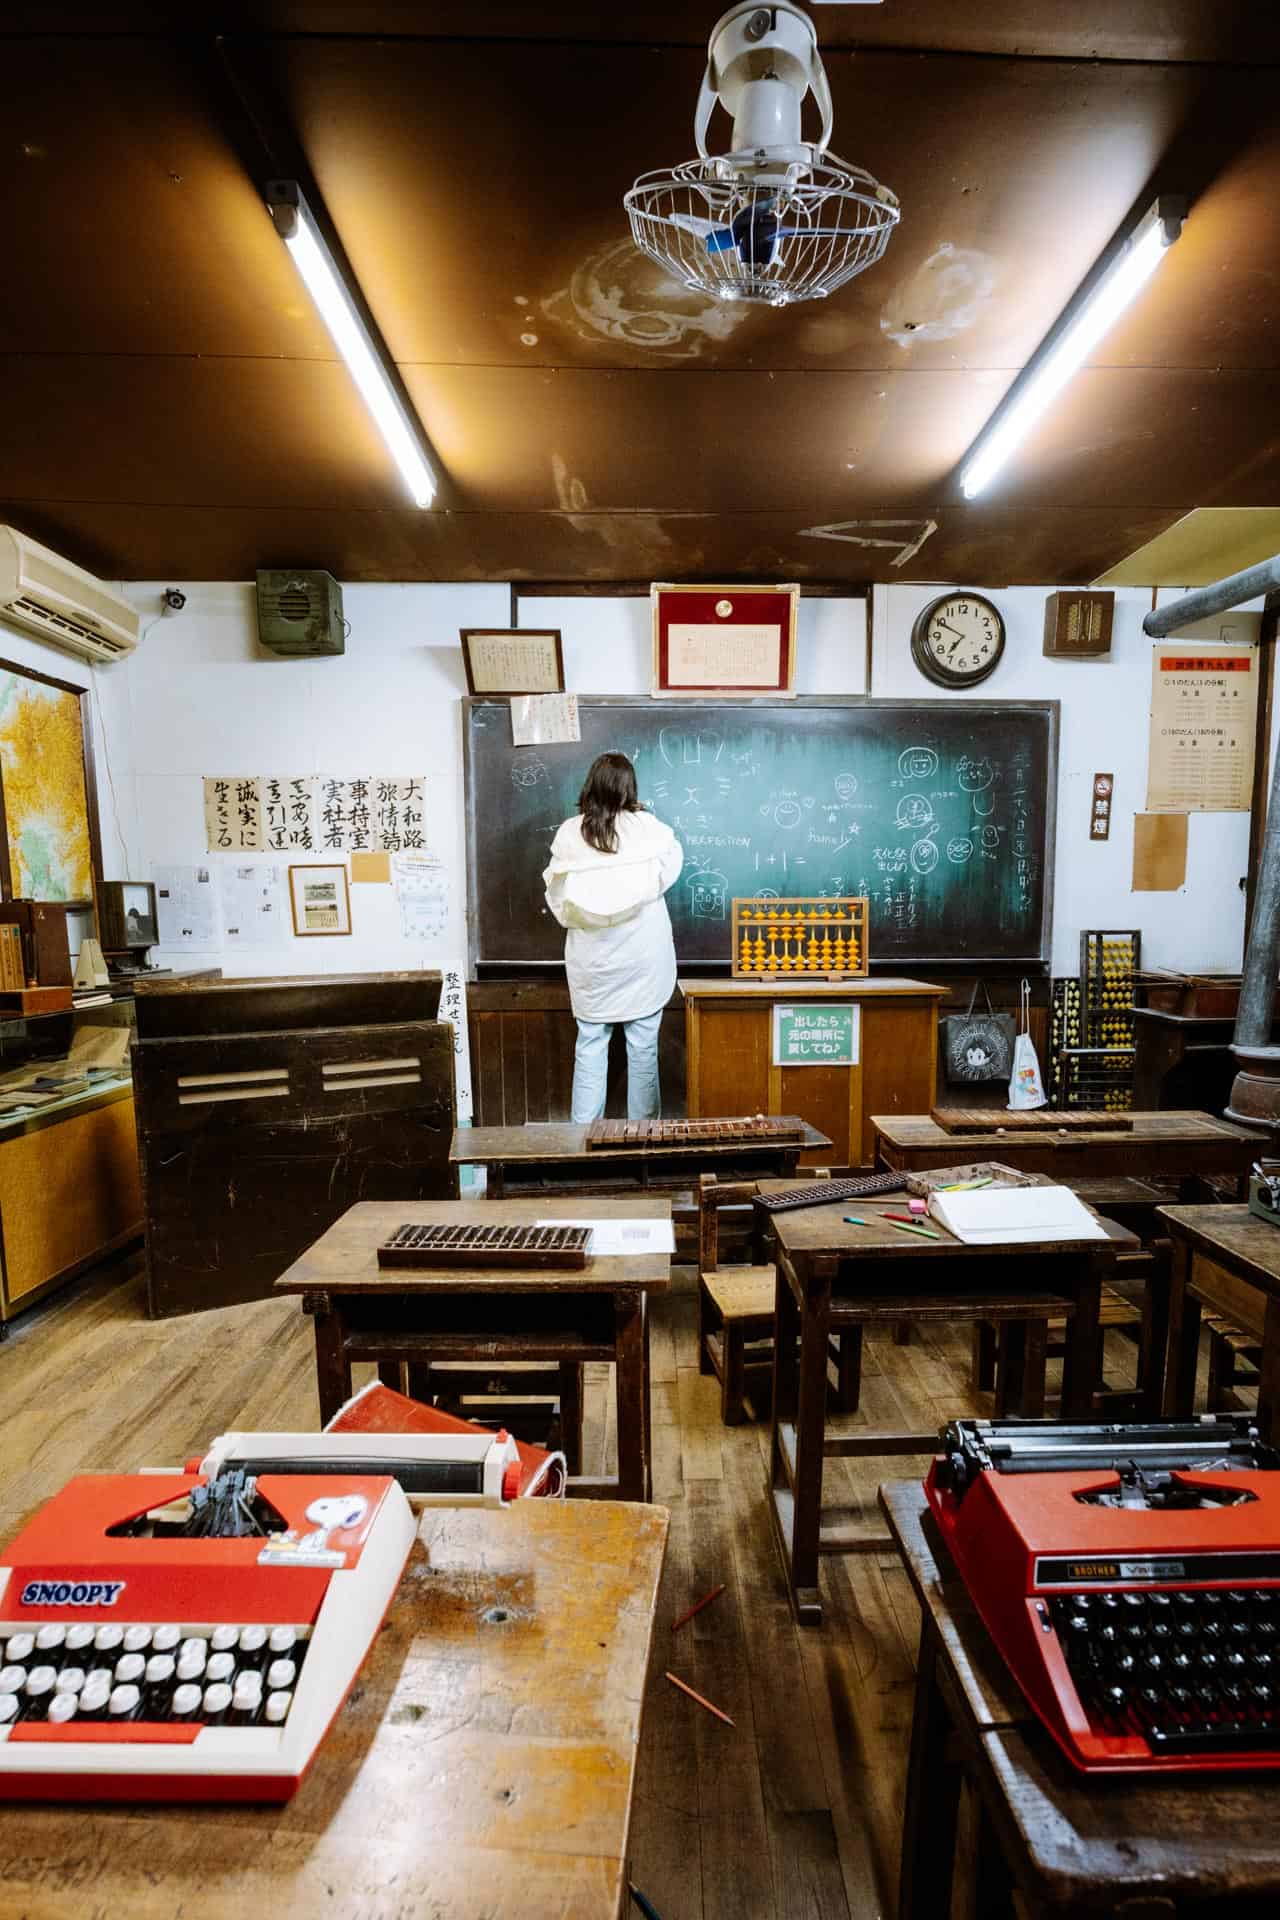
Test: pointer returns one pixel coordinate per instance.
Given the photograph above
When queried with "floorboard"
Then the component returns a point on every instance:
(790, 1814)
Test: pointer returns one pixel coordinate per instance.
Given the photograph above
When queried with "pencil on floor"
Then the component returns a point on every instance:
(698, 1697)
(697, 1607)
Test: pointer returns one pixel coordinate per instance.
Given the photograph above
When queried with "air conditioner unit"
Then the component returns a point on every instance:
(61, 602)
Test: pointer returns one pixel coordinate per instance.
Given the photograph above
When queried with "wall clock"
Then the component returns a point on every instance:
(958, 640)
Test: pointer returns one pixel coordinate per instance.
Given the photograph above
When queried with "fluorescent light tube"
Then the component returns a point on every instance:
(1065, 351)
(296, 227)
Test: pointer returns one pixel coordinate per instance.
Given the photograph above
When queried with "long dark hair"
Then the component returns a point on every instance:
(608, 790)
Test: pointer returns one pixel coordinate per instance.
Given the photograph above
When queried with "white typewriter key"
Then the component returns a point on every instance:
(283, 1639)
(124, 1703)
(165, 1639)
(79, 1637)
(246, 1700)
(223, 1639)
(107, 1639)
(216, 1701)
(137, 1639)
(130, 1668)
(70, 1679)
(253, 1643)
(12, 1679)
(50, 1640)
(93, 1700)
(278, 1705)
(8, 1708)
(21, 1646)
(186, 1703)
(100, 1676)
(281, 1675)
(63, 1707)
(195, 1643)
(160, 1670)
(221, 1667)
(39, 1685)
(190, 1667)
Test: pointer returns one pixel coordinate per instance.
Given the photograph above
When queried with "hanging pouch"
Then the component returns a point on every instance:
(977, 1046)
(1026, 1087)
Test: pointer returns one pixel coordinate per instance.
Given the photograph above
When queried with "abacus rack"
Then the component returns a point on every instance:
(458, 1246)
(1109, 958)
(800, 937)
(693, 1133)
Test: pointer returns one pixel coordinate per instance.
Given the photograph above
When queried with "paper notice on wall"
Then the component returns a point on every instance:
(187, 908)
(542, 719)
(255, 906)
(422, 891)
(233, 813)
(1159, 852)
(1204, 698)
(288, 824)
(699, 655)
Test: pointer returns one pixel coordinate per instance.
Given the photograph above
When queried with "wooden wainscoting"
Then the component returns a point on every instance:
(522, 1035)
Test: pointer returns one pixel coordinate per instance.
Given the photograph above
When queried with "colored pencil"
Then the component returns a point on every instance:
(854, 1220)
(909, 1226)
(698, 1697)
(697, 1607)
(646, 1907)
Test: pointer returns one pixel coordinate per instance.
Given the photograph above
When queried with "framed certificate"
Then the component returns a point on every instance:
(513, 660)
(724, 640)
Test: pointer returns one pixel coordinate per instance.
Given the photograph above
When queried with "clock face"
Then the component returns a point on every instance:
(958, 640)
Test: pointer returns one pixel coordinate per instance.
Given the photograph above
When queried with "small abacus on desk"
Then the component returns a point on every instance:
(821, 939)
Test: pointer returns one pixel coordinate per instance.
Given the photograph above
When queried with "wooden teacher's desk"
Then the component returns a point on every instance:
(552, 1156)
(423, 1315)
(483, 1764)
(1228, 1260)
(1186, 1147)
(832, 1275)
(1153, 1848)
(731, 1066)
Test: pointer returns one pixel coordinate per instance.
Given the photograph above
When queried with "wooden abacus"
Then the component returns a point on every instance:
(800, 938)
(498, 1246)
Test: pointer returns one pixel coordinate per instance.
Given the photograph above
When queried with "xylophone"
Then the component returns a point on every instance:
(477, 1246)
(758, 1128)
(166, 1636)
(1130, 1576)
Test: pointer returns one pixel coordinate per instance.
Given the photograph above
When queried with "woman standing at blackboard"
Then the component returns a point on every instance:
(610, 867)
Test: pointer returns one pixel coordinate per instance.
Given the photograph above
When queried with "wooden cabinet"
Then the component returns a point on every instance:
(69, 1192)
(730, 1066)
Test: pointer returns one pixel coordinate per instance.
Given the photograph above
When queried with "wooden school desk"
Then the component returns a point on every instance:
(552, 1156)
(563, 1315)
(483, 1764)
(1186, 1147)
(1227, 1259)
(831, 1275)
(1187, 1844)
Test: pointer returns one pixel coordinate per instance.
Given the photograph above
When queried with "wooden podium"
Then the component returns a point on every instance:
(732, 1065)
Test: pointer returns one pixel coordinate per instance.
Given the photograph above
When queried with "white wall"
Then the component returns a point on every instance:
(1105, 706)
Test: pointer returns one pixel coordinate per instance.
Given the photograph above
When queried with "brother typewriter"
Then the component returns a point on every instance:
(1130, 1577)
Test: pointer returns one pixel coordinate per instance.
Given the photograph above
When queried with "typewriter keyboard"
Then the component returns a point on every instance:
(85, 1675)
(1195, 1670)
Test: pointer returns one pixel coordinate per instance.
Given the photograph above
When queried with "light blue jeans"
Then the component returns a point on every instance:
(591, 1069)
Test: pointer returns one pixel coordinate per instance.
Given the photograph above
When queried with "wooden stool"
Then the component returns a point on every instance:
(736, 1304)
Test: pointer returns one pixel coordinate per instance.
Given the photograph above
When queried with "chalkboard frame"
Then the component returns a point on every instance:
(481, 966)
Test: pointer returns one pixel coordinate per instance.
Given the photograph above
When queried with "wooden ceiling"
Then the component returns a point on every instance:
(172, 406)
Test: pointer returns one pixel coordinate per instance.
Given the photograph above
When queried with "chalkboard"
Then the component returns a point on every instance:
(940, 811)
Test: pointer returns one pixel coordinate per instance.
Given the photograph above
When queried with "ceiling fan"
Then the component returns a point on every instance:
(776, 219)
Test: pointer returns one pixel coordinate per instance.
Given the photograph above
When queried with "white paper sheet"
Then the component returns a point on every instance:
(991, 1216)
(541, 719)
(610, 1237)
(421, 887)
(255, 906)
(187, 909)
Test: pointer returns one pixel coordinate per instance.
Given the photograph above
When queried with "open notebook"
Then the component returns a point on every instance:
(999, 1215)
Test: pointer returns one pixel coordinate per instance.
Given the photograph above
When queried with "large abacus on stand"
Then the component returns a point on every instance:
(808, 938)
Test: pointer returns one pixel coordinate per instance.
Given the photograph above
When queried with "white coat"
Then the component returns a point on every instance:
(618, 951)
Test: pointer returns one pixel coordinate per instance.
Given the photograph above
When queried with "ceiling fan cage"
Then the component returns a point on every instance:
(739, 228)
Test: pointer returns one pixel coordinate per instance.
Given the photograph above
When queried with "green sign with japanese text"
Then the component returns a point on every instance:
(819, 1035)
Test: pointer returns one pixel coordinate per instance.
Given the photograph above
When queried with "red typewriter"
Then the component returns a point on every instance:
(185, 1637)
(1130, 1576)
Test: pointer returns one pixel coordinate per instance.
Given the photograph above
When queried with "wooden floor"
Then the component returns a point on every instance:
(791, 1814)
